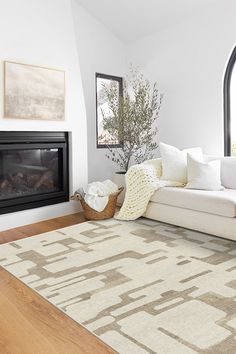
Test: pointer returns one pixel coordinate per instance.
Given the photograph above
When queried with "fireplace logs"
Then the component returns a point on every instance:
(21, 184)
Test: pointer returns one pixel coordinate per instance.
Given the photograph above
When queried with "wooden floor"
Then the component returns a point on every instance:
(31, 325)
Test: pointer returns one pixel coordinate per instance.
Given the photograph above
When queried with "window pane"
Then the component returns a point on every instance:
(233, 111)
(103, 137)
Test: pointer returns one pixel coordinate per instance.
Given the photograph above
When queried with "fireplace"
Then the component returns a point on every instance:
(33, 170)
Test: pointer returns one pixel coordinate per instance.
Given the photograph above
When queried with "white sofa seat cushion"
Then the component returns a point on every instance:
(221, 203)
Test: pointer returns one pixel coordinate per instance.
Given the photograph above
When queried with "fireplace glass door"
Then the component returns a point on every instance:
(34, 170)
(25, 172)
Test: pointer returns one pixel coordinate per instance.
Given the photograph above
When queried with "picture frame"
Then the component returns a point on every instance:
(33, 92)
(103, 79)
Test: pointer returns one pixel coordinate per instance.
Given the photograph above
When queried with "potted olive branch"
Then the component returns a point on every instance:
(131, 120)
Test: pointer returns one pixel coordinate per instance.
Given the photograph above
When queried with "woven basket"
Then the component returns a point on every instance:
(107, 213)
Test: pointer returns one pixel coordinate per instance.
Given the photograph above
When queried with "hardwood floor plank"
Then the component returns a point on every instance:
(31, 325)
(40, 227)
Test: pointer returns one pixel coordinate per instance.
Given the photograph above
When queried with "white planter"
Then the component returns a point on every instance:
(119, 180)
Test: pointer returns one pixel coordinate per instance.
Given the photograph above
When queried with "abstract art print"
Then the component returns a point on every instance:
(33, 92)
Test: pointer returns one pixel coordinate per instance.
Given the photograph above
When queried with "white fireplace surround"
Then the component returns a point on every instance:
(19, 218)
(44, 35)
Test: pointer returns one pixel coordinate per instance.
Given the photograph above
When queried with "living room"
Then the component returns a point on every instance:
(117, 237)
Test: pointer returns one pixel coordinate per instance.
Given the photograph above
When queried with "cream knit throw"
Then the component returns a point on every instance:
(141, 182)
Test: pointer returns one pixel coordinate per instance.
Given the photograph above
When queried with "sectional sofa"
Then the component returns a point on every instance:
(212, 212)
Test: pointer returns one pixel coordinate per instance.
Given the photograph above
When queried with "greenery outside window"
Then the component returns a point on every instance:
(105, 82)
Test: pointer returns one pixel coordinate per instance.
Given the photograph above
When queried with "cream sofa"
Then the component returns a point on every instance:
(212, 212)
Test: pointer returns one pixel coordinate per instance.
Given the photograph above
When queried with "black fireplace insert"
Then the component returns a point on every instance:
(33, 170)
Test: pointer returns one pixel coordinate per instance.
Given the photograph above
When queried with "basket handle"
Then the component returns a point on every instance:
(77, 196)
(120, 189)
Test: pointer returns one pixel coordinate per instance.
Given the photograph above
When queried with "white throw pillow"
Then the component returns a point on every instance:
(204, 175)
(157, 164)
(174, 162)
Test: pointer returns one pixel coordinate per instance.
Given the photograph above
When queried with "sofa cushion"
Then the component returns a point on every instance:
(228, 170)
(214, 202)
(203, 175)
(174, 162)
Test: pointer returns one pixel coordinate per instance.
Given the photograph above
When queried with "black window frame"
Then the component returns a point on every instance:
(227, 108)
(120, 82)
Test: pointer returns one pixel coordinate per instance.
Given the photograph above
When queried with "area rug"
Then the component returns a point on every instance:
(142, 287)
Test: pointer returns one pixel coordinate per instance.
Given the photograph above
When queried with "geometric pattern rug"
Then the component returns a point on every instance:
(141, 286)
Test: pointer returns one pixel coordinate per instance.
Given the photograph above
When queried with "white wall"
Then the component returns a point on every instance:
(188, 61)
(100, 51)
(42, 33)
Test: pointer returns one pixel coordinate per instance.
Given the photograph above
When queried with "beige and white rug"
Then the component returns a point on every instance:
(142, 287)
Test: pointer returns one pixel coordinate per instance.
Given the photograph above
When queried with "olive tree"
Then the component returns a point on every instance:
(131, 120)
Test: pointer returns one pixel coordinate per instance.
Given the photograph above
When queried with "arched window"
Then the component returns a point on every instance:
(230, 106)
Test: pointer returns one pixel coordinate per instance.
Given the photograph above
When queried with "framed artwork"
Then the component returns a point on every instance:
(105, 81)
(33, 92)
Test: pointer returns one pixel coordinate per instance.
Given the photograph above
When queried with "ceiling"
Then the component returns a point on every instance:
(132, 19)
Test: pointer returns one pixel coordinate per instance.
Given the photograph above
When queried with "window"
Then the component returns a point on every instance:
(102, 82)
(230, 106)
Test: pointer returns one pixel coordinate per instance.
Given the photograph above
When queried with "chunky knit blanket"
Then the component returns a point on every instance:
(141, 182)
